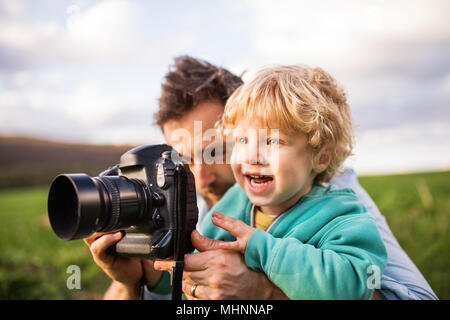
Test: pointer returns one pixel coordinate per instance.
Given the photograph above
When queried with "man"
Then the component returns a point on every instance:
(193, 96)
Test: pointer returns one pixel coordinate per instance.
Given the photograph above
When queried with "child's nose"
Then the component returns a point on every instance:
(256, 153)
(253, 154)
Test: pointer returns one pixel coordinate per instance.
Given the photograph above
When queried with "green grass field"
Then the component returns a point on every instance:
(33, 262)
(417, 209)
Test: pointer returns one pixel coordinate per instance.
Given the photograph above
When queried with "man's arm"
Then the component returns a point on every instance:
(119, 291)
(401, 279)
(221, 274)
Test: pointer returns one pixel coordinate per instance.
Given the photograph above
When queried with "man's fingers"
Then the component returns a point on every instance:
(163, 265)
(187, 291)
(197, 261)
(202, 243)
(236, 227)
(99, 246)
(192, 262)
(196, 277)
(147, 264)
(201, 292)
(92, 238)
(95, 236)
(190, 277)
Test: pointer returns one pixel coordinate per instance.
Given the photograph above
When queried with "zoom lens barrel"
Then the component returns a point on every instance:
(79, 205)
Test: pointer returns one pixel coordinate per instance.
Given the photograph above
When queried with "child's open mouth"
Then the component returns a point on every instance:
(258, 184)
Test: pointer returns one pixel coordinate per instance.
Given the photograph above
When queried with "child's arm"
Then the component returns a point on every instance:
(338, 269)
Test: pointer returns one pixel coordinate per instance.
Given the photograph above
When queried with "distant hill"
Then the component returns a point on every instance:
(31, 162)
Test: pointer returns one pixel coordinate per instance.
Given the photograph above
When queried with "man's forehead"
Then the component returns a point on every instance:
(185, 139)
(190, 124)
(197, 125)
(185, 147)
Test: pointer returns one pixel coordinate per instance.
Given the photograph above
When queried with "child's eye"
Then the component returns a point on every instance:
(242, 140)
(273, 142)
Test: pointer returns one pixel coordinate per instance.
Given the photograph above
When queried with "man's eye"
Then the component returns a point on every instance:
(185, 157)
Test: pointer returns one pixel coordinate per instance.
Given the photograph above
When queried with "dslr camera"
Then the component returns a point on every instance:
(150, 196)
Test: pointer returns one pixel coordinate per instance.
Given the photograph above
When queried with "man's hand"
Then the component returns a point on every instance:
(126, 273)
(221, 274)
(152, 276)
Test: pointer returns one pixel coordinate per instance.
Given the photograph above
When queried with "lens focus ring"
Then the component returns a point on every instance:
(113, 191)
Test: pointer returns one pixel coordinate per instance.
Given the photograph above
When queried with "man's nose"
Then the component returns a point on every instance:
(204, 175)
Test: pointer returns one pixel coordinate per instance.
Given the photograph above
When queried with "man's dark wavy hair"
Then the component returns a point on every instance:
(190, 82)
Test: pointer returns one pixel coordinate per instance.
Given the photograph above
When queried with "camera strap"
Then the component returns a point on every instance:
(177, 268)
(177, 279)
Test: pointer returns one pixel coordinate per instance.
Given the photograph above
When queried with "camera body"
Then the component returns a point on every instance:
(150, 196)
(161, 168)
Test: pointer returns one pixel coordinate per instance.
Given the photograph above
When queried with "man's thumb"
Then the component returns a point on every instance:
(202, 243)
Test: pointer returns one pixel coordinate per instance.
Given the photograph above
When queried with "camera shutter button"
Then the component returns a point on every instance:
(160, 177)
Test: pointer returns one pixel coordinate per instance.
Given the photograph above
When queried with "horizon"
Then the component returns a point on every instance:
(87, 144)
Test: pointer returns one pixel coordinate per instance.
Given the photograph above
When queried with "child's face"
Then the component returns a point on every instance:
(275, 170)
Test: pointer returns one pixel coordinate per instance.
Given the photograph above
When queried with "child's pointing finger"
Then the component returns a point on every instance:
(237, 228)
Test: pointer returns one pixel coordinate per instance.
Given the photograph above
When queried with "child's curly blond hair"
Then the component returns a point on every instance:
(297, 99)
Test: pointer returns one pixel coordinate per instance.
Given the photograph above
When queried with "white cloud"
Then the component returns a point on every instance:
(106, 30)
(128, 134)
(20, 78)
(90, 104)
(22, 35)
(10, 8)
(403, 149)
(347, 37)
(446, 86)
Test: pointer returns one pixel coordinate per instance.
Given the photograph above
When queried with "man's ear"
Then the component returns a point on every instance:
(322, 160)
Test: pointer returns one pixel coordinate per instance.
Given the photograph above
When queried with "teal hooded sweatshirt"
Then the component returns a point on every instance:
(324, 247)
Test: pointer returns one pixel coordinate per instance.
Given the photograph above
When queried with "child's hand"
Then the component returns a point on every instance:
(237, 228)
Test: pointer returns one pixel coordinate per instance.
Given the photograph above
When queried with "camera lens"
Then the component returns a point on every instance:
(79, 205)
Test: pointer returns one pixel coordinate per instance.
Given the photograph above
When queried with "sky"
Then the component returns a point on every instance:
(91, 71)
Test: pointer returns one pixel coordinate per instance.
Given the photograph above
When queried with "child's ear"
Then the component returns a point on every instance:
(323, 160)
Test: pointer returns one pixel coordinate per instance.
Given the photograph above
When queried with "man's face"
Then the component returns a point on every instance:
(211, 180)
